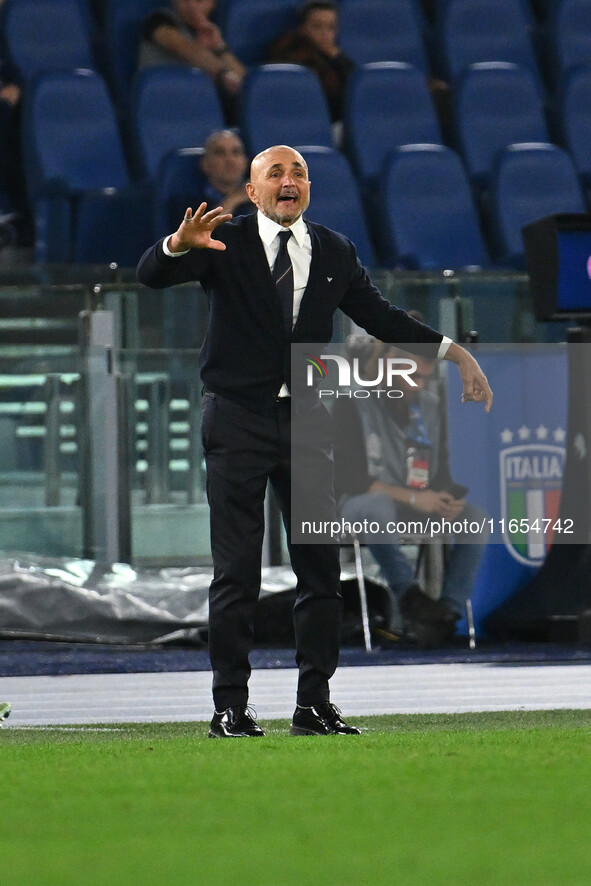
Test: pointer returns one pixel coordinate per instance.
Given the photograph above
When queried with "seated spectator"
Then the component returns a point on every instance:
(314, 44)
(224, 165)
(391, 466)
(186, 35)
(219, 180)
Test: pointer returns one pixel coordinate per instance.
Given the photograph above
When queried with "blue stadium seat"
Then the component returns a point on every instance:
(429, 217)
(387, 104)
(179, 184)
(249, 28)
(84, 205)
(575, 118)
(471, 31)
(496, 104)
(42, 35)
(87, 15)
(284, 104)
(526, 5)
(569, 38)
(382, 30)
(172, 107)
(530, 181)
(335, 200)
(123, 27)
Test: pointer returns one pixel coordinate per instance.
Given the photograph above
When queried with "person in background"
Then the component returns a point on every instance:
(392, 465)
(186, 35)
(224, 164)
(314, 44)
(221, 176)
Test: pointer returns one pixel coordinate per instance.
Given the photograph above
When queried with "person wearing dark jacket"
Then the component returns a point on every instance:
(273, 279)
(314, 44)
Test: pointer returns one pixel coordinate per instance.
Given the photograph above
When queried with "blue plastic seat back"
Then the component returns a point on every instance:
(112, 228)
(382, 30)
(531, 181)
(575, 111)
(569, 37)
(430, 218)
(387, 104)
(284, 104)
(44, 35)
(439, 7)
(335, 201)
(85, 7)
(250, 28)
(471, 31)
(496, 104)
(180, 183)
(71, 138)
(123, 28)
(172, 107)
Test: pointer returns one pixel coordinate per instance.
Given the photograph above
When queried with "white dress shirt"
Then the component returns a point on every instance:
(299, 247)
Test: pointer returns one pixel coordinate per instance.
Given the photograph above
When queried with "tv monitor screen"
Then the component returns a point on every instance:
(558, 258)
(574, 271)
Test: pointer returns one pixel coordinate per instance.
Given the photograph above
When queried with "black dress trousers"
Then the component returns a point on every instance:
(243, 449)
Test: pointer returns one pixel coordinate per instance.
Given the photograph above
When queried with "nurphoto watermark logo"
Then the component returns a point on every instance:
(350, 380)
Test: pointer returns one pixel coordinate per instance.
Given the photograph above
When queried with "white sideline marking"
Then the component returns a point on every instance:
(383, 689)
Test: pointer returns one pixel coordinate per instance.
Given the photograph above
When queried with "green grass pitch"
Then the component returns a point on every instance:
(425, 800)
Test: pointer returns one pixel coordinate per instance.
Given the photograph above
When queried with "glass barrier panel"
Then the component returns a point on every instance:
(169, 519)
(39, 469)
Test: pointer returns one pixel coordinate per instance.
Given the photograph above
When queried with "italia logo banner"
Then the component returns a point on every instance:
(513, 461)
(530, 475)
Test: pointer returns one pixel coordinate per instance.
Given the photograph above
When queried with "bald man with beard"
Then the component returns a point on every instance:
(246, 425)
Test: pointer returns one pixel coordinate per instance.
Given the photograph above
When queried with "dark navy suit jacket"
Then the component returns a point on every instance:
(246, 353)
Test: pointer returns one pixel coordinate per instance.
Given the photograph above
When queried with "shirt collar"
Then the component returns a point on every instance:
(268, 229)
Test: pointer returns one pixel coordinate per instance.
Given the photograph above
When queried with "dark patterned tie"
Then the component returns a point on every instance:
(283, 277)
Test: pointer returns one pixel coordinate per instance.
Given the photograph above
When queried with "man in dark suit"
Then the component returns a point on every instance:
(245, 366)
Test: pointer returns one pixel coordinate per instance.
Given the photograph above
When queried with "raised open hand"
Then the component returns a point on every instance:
(194, 232)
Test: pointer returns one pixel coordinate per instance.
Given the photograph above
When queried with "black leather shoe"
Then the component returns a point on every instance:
(321, 719)
(236, 722)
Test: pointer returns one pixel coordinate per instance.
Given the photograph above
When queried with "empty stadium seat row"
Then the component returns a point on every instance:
(388, 106)
(48, 34)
